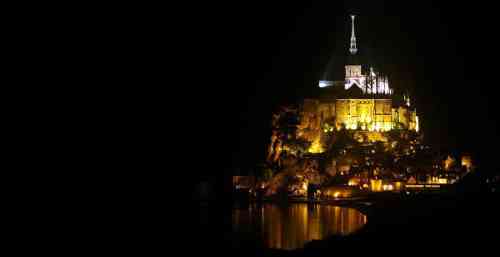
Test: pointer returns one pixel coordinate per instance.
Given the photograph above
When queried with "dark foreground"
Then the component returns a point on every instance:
(464, 218)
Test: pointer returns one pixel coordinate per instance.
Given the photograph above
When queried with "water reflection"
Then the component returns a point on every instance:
(292, 226)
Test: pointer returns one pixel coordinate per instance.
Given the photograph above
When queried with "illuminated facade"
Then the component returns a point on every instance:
(467, 162)
(364, 114)
(371, 83)
(364, 102)
(448, 163)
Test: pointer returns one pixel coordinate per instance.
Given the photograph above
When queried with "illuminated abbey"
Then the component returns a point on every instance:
(364, 102)
(349, 139)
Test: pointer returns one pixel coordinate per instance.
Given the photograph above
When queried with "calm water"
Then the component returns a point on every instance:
(292, 226)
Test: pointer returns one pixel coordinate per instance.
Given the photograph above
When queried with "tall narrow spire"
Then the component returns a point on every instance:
(353, 48)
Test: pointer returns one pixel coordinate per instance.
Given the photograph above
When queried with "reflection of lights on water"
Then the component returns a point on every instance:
(292, 227)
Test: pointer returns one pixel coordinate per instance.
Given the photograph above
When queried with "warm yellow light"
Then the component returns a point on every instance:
(353, 182)
(467, 162)
(387, 126)
(376, 185)
(442, 181)
(388, 187)
(399, 185)
(417, 127)
(316, 146)
(448, 162)
(336, 194)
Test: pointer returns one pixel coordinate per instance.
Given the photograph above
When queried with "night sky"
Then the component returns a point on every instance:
(247, 59)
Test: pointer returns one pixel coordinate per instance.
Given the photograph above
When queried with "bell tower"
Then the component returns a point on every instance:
(353, 48)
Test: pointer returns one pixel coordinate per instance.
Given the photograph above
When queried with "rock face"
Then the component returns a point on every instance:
(283, 127)
(327, 137)
(309, 128)
(319, 119)
(295, 177)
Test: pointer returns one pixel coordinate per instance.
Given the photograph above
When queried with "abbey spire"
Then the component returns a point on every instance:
(353, 48)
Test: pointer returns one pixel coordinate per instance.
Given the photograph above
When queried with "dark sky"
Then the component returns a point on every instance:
(247, 59)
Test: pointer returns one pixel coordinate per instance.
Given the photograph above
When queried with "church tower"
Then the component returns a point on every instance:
(353, 74)
(353, 48)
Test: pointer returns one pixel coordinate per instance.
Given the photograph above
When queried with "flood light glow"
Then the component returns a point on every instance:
(325, 83)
